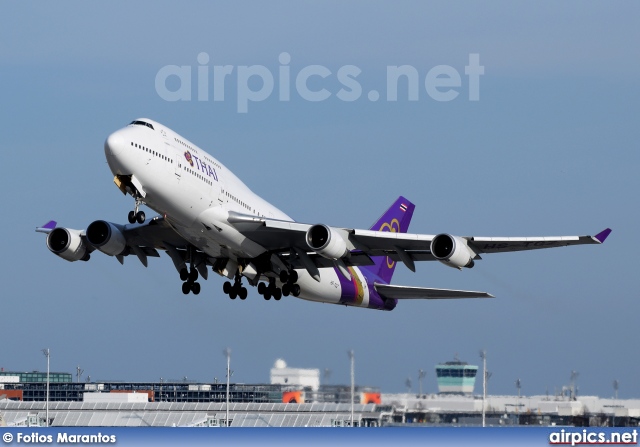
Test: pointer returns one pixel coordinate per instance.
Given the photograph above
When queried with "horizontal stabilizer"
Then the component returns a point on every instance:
(415, 293)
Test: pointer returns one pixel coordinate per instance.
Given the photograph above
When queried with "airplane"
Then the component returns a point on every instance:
(209, 218)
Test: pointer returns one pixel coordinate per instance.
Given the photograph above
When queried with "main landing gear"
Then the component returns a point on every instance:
(268, 291)
(190, 278)
(288, 280)
(289, 286)
(235, 290)
(136, 215)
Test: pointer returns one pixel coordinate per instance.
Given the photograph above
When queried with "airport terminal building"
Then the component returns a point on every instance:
(294, 398)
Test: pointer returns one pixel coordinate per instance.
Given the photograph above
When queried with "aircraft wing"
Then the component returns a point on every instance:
(413, 293)
(505, 244)
(142, 240)
(155, 233)
(283, 236)
(275, 235)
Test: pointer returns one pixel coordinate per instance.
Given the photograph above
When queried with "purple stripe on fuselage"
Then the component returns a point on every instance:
(350, 288)
(375, 300)
(352, 291)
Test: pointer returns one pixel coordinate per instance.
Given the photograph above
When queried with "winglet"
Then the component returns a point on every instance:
(48, 227)
(600, 237)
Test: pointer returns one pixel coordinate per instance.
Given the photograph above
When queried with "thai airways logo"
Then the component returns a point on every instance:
(200, 165)
(392, 227)
(189, 158)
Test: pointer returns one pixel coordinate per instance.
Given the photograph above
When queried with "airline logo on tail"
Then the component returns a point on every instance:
(394, 220)
(393, 227)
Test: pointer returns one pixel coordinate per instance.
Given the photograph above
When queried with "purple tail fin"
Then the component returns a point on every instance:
(396, 219)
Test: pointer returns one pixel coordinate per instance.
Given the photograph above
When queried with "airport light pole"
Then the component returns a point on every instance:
(353, 381)
(573, 378)
(421, 375)
(518, 385)
(227, 352)
(79, 373)
(483, 356)
(616, 385)
(46, 352)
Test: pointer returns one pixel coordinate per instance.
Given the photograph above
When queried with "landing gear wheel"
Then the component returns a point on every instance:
(267, 295)
(242, 293)
(193, 275)
(293, 277)
(186, 288)
(286, 290)
(233, 293)
(184, 274)
(295, 290)
(277, 294)
(226, 287)
(284, 276)
(140, 217)
(262, 288)
(132, 217)
(195, 288)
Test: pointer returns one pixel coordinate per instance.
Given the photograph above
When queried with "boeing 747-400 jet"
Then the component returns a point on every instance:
(209, 218)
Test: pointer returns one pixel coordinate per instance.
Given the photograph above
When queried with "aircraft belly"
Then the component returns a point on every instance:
(210, 233)
(328, 290)
(201, 241)
(335, 288)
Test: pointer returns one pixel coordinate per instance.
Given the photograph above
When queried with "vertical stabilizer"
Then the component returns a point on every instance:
(396, 220)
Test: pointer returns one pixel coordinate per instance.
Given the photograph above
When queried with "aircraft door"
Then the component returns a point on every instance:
(221, 194)
(178, 165)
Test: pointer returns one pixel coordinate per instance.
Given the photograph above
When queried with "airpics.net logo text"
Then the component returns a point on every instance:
(313, 83)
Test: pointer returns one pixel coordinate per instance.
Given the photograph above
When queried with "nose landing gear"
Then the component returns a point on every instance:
(136, 215)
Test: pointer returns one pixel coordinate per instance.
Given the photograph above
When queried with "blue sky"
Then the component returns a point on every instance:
(549, 149)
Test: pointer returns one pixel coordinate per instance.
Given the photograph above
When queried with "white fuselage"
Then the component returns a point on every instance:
(194, 191)
(181, 181)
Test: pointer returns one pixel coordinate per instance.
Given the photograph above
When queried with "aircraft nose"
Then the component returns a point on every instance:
(114, 144)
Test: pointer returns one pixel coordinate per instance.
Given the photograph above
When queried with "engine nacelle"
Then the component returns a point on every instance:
(327, 242)
(106, 237)
(452, 251)
(67, 244)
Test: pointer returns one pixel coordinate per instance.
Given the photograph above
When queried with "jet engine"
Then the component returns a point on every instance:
(68, 244)
(452, 251)
(106, 237)
(327, 242)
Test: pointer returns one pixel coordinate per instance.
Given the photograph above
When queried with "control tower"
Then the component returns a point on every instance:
(456, 377)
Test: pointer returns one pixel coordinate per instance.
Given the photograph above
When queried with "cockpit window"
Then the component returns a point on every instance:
(142, 123)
